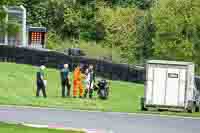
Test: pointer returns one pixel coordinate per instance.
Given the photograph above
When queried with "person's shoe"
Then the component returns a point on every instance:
(74, 96)
(91, 94)
(85, 96)
(80, 97)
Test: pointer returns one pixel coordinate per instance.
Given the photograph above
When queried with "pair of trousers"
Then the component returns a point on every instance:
(78, 85)
(65, 84)
(41, 87)
(89, 88)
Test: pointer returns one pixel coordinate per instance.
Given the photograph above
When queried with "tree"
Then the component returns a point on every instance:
(145, 31)
(36, 12)
(120, 28)
(144, 4)
(72, 20)
(120, 3)
(55, 16)
(177, 30)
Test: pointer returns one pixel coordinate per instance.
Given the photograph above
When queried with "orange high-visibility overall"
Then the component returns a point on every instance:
(78, 82)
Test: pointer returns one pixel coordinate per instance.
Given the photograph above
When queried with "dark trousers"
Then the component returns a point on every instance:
(41, 87)
(90, 93)
(65, 84)
(90, 90)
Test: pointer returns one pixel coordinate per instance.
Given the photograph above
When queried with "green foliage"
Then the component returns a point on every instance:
(109, 23)
(88, 23)
(144, 4)
(86, 2)
(8, 2)
(36, 12)
(53, 41)
(177, 30)
(13, 28)
(119, 26)
(137, 29)
(72, 19)
(55, 13)
(145, 31)
(10, 27)
(3, 25)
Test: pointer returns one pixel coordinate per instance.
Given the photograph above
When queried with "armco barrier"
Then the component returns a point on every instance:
(54, 59)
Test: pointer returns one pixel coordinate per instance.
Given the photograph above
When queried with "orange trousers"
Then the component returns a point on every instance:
(78, 86)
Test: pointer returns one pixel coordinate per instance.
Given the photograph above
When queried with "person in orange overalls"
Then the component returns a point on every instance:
(78, 82)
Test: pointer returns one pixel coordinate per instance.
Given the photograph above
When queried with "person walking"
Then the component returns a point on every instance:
(65, 80)
(41, 82)
(90, 81)
(78, 85)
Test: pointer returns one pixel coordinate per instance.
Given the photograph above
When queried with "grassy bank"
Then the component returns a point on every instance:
(11, 128)
(17, 87)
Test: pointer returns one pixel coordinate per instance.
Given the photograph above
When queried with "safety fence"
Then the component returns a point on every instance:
(54, 59)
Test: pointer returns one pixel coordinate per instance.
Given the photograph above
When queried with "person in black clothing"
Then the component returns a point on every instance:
(65, 81)
(41, 82)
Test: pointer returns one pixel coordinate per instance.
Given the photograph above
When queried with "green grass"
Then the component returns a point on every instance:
(17, 87)
(11, 128)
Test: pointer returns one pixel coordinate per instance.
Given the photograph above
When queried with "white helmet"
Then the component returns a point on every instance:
(66, 65)
(42, 67)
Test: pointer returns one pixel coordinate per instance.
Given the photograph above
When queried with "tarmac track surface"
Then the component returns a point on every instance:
(117, 122)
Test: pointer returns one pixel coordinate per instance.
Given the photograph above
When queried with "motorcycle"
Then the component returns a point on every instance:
(102, 89)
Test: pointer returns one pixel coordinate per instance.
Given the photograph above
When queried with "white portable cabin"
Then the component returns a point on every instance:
(169, 84)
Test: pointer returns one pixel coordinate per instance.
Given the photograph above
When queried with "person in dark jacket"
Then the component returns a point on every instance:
(65, 81)
(41, 82)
